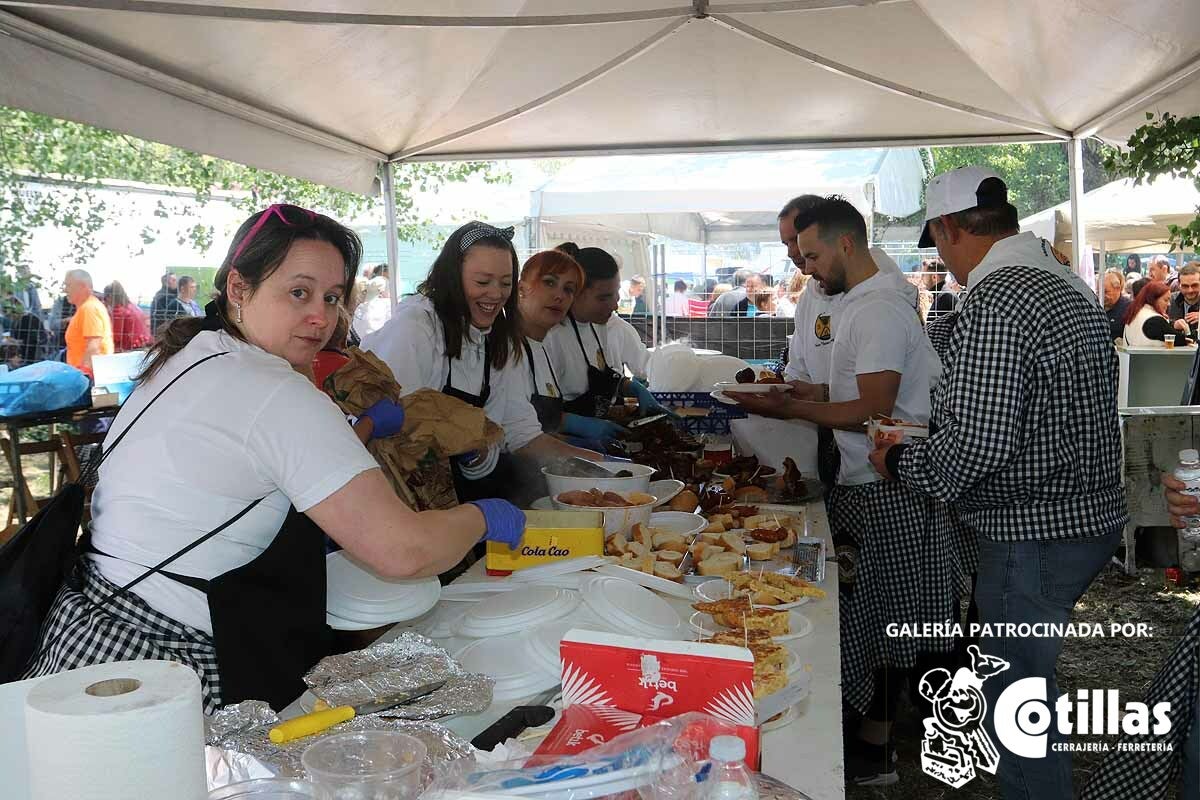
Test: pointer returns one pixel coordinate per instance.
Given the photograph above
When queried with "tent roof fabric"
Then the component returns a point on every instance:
(328, 91)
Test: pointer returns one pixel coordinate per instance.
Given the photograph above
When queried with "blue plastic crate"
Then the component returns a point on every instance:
(718, 418)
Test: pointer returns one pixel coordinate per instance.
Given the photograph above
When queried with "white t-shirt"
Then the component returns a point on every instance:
(677, 305)
(878, 331)
(236, 428)
(621, 344)
(413, 345)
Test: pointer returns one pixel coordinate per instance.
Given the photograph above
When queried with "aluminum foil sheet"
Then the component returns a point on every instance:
(241, 732)
(387, 668)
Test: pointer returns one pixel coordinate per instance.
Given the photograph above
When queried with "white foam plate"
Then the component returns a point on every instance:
(799, 624)
(506, 659)
(750, 388)
(685, 524)
(660, 585)
(515, 611)
(351, 585)
(717, 589)
(629, 606)
(439, 623)
(555, 569)
(721, 397)
(665, 490)
(720, 369)
(544, 640)
(368, 615)
(340, 624)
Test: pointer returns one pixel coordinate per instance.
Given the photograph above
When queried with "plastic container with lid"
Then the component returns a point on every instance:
(366, 765)
(266, 789)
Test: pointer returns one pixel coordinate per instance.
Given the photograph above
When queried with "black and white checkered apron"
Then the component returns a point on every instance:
(1130, 775)
(125, 628)
(905, 575)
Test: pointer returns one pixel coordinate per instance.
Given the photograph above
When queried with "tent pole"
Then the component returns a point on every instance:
(1075, 167)
(391, 232)
(1102, 249)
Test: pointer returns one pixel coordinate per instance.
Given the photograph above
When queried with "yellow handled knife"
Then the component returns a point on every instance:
(317, 721)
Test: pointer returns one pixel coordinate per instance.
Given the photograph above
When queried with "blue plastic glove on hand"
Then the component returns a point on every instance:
(591, 428)
(505, 522)
(387, 417)
(647, 405)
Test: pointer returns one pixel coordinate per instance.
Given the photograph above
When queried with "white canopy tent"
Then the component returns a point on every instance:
(329, 91)
(1121, 217)
(726, 198)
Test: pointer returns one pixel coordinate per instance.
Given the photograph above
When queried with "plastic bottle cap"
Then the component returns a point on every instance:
(727, 748)
(1189, 455)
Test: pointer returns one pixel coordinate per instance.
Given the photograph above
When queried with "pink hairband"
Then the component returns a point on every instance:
(273, 209)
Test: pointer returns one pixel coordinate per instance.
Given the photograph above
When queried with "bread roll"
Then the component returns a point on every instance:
(662, 540)
(616, 545)
(710, 550)
(714, 526)
(643, 534)
(669, 571)
(760, 551)
(687, 500)
(638, 549)
(733, 542)
(669, 556)
(720, 564)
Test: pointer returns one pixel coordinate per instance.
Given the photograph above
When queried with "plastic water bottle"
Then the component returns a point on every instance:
(1188, 471)
(729, 778)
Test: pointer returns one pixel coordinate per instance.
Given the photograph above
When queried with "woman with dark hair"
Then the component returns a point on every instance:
(549, 283)
(1133, 263)
(1146, 322)
(250, 464)
(461, 333)
(131, 328)
(593, 346)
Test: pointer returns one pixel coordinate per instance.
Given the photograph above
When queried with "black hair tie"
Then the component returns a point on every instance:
(214, 319)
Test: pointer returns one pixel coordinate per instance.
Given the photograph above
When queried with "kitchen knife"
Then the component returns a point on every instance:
(317, 721)
(511, 725)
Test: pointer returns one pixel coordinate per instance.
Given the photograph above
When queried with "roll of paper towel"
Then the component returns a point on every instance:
(115, 732)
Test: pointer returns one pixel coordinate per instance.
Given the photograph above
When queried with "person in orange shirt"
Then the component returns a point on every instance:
(90, 332)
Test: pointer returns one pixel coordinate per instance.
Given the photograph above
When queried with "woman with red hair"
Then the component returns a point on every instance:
(1146, 322)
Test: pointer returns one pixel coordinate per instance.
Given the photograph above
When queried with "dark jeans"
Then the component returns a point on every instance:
(1033, 582)
(1191, 758)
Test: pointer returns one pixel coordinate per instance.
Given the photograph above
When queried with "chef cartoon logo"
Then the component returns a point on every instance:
(955, 743)
(822, 329)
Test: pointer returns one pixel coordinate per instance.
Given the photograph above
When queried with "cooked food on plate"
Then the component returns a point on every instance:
(597, 498)
(738, 613)
(772, 588)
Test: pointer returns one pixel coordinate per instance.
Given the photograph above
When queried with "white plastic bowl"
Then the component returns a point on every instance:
(640, 482)
(616, 520)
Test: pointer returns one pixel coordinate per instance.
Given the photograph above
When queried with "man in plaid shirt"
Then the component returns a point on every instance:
(1025, 441)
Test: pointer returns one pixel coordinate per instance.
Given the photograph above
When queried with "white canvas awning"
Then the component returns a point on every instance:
(1123, 217)
(327, 90)
(727, 198)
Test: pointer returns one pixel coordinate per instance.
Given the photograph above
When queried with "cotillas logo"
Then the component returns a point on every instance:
(955, 743)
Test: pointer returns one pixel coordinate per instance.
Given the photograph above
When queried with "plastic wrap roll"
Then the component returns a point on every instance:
(117, 731)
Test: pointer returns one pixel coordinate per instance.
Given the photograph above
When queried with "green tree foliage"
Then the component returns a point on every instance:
(1037, 174)
(69, 160)
(1168, 145)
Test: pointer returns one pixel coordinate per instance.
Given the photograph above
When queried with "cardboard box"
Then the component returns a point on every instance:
(623, 683)
(549, 536)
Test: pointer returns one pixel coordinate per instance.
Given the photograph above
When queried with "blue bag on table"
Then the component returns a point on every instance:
(42, 387)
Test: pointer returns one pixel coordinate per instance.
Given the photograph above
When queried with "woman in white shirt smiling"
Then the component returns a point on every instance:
(247, 446)
(461, 334)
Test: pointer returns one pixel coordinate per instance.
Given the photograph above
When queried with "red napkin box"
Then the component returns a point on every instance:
(614, 684)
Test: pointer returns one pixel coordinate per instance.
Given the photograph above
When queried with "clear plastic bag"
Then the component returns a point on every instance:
(41, 387)
(665, 761)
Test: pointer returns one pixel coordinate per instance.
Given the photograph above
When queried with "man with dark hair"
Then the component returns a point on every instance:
(637, 290)
(1184, 311)
(187, 295)
(735, 302)
(882, 365)
(166, 306)
(1025, 441)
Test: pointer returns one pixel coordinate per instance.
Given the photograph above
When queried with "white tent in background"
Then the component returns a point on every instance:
(1122, 217)
(726, 197)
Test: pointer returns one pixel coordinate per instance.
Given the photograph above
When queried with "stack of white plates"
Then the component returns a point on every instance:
(358, 599)
(632, 609)
(506, 659)
(516, 611)
(543, 641)
(556, 569)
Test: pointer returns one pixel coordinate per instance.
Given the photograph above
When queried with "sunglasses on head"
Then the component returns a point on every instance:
(282, 211)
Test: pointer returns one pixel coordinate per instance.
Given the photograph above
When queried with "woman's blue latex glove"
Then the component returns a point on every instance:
(591, 428)
(647, 405)
(505, 522)
(387, 418)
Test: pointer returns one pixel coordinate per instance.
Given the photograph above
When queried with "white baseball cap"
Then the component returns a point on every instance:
(958, 190)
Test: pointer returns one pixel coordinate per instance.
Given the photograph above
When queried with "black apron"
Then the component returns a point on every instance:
(498, 482)
(603, 382)
(549, 407)
(268, 615)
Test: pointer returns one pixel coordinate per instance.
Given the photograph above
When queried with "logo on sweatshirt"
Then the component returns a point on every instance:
(822, 329)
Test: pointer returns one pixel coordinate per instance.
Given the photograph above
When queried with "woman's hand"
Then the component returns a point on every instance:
(505, 522)
(387, 418)
(1179, 505)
